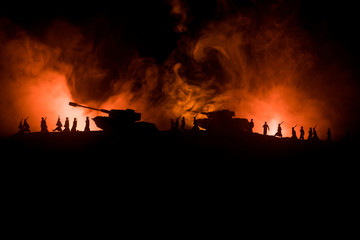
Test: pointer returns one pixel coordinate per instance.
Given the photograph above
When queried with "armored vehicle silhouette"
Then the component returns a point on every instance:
(120, 120)
(222, 121)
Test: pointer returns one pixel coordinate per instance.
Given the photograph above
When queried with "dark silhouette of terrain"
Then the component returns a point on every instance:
(225, 139)
(78, 172)
(128, 148)
(185, 146)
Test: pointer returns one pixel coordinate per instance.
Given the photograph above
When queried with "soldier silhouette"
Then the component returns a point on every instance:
(21, 127)
(87, 125)
(59, 125)
(293, 133)
(329, 135)
(266, 128)
(26, 127)
(196, 126)
(43, 126)
(73, 129)
(278, 133)
(251, 126)
(67, 125)
(182, 127)
(310, 134)
(177, 124)
(302, 133)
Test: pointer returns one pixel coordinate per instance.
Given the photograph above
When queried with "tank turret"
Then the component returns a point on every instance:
(119, 120)
(222, 121)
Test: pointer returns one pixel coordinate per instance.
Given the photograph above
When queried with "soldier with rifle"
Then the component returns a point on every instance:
(59, 125)
(302, 133)
(278, 133)
(26, 127)
(21, 127)
(43, 126)
(196, 126)
(310, 134)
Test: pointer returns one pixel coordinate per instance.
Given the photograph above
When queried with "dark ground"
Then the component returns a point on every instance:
(154, 184)
(167, 151)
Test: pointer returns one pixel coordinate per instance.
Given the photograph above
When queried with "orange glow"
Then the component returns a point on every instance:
(262, 67)
(48, 96)
(283, 104)
(36, 85)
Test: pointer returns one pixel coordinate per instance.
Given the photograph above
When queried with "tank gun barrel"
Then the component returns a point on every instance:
(96, 109)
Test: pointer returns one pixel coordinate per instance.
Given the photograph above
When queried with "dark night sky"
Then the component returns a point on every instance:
(149, 26)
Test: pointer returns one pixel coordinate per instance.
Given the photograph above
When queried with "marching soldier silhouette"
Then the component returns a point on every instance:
(196, 126)
(266, 128)
(310, 134)
(73, 129)
(87, 125)
(21, 127)
(177, 124)
(182, 127)
(278, 133)
(67, 125)
(59, 125)
(43, 126)
(293, 133)
(26, 127)
(302, 133)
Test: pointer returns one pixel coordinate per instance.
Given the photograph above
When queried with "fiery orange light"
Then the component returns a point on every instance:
(48, 97)
(262, 67)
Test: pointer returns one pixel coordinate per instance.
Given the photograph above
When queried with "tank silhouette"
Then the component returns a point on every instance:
(222, 121)
(119, 120)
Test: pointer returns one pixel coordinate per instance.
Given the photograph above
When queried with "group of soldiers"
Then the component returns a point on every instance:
(312, 132)
(25, 128)
(175, 125)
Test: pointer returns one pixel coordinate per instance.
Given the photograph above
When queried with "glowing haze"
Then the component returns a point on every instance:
(261, 64)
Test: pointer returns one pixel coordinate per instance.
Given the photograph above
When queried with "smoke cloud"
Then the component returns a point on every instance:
(258, 61)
